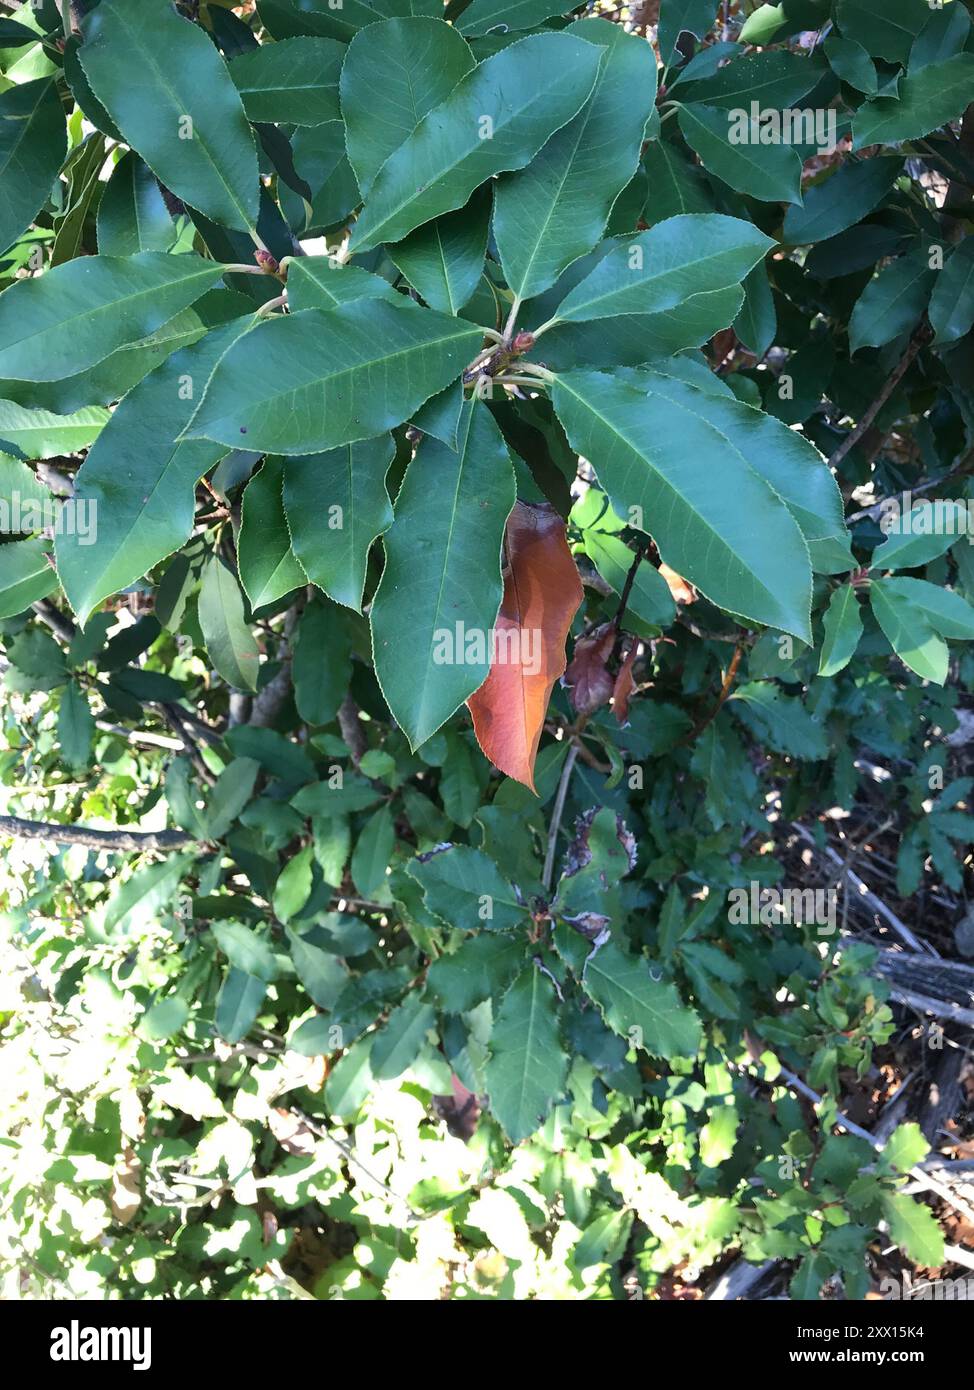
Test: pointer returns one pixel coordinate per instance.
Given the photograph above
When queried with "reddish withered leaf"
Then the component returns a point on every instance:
(588, 676)
(542, 593)
(624, 684)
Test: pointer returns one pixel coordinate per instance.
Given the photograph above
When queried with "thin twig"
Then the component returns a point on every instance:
(556, 814)
(922, 335)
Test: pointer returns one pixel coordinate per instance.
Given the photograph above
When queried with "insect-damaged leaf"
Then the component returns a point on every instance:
(542, 593)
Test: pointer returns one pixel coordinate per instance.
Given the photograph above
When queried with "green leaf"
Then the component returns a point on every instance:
(905, 1148)
(843, 628)
(269, 568)
(183, 115)
(336, 505)
(811, 1274)
(464, 888)
(508, 16)
(528, 1067)
(238, 1004)
(294, 82)
(794, 469)
(321, 972)
(392, 77)
(678, 185)
(841, 200)
(769, 172)
(850, 61)
(677, 16)
(228, 637)
(773, 79)
(229, 795)
(444, 260)
(639, 1006)
(293, 886)
(132, 214)
(321, 663)
(315, 380)
(245, 950)
(650, 599)
(373, 852)
(25, 575)
(399, 1041)
(920, 535)
(33, 144)
(891, 303)
(914, 1228)
(553, 211)
(495, 119)
(481, 968)
(885, 28)
(140, 479)
(441, 587)
(40, 434)
(663, 268)
(945, 611)
(57, 324)
(925, 100)
(75, 727)
(320, 282)
(285, 18)
(782, 720)
(916, 617)
(726, 529)
(952, 301)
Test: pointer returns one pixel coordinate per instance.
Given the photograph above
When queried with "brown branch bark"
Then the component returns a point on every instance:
(132, 840)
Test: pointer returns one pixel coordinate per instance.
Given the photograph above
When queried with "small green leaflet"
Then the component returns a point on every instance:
(914, 1228)
(399, 1041)
(320, 282)
(640, 1006)
(892, 302)
(494, 120)
(238, 1004)
(75, 727)
(228, 638)
(843, 628)
(780, 720)
(132, 214)
(841, 200)
(916, 618)
(336, 505)
(444, 260)
(464, 888)
(57, 324)
(920, 535)
(952, 301)
(480, 968)
(183, 115)
(25, 576)
(528, 1066)
(318, 379)
(269, 568)
(441, 587)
